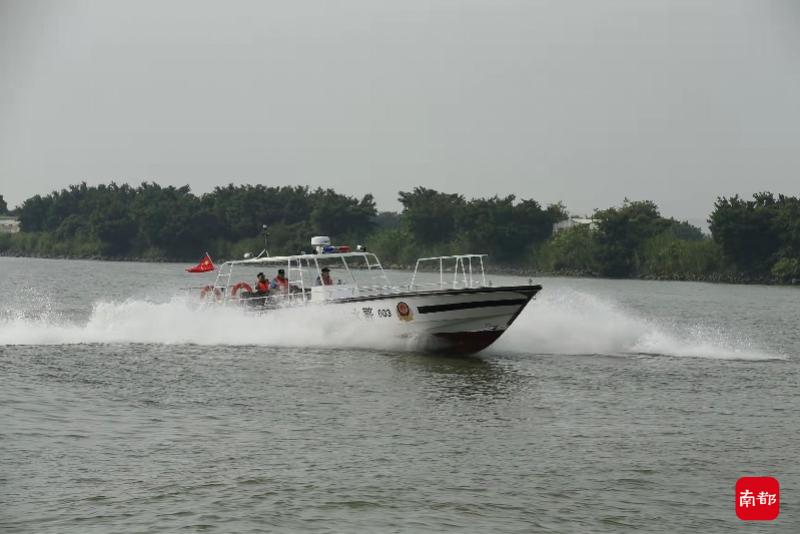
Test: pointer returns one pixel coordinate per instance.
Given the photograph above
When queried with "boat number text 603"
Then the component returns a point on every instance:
(368, 312)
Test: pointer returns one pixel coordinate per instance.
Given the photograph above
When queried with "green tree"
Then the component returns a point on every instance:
(572, 250)
(388, 219)
(32, 213)
(341, 216)
(747, 232)
(786, 270)
(787, 225)
(668, 256)
(685, 231)
(504, 228)
(621, 233)
(430, 216)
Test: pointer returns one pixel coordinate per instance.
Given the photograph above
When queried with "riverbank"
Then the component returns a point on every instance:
(94, 257)
(716, 278)
(510, 270)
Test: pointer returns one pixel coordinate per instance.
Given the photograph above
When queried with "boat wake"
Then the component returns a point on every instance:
(558, 322)
(183, 321)
(565, 321)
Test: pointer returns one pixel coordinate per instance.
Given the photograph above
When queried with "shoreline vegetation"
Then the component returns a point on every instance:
(752, 240)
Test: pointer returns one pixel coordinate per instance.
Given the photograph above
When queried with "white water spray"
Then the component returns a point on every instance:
(184, 321)
(566, 321)
(559, 322)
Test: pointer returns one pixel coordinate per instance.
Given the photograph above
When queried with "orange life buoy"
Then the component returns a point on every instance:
(241, 285)
(207, 289)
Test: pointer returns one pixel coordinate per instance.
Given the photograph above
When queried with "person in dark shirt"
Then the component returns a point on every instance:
(326, 279)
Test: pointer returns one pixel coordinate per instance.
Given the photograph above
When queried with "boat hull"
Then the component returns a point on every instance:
(453, 321)
(464, 342)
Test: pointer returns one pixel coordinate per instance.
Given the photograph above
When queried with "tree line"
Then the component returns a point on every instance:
(754, 239)
(171, 223)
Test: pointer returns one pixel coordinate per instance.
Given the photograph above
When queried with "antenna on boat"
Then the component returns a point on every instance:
(264, 252)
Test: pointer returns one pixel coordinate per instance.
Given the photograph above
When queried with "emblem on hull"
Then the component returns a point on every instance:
(404, 312)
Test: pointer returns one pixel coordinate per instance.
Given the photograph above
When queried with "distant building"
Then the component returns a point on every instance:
(8, 225)
(573, 222)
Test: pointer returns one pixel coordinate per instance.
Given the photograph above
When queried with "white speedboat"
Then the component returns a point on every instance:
(446, 306)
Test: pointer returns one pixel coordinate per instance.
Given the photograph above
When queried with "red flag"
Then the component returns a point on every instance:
(204, 266)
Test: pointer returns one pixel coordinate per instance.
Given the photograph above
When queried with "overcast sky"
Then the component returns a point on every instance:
(586, 102)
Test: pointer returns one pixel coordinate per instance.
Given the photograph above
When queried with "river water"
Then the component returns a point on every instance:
(609, 406)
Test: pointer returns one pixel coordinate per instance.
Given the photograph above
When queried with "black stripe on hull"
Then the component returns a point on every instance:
(470, 305)
(528, 291)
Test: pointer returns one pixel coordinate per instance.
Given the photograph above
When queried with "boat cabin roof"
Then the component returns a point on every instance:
(301, 257)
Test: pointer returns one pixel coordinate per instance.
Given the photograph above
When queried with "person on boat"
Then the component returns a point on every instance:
(280, 282)
(262, 286)
(325, 279)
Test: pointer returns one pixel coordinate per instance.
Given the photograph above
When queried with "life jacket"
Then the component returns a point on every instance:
(281, 283)
(327, 280)
(262, 287)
